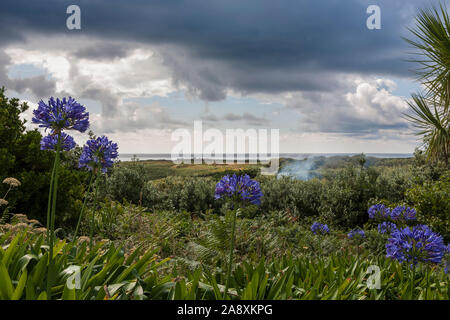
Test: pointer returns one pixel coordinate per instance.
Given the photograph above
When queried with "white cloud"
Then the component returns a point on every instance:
(361, 114)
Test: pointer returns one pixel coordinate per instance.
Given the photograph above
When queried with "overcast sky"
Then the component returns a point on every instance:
(144, 68)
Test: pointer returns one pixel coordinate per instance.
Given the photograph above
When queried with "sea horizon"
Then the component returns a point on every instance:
(293, 155)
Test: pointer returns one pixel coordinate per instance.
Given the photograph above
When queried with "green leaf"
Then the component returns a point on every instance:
(6, 287)
(20, 286)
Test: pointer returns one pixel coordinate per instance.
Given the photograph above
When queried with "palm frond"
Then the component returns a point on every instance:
(433, 124)
(433, 44)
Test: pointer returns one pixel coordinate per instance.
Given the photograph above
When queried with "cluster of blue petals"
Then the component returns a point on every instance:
(98, 153)
(50, 142)
(241, 187)
(399, 213)
(319, 228)
(356, 233)
(416, 244)
(61, 114)
(387, 227)
(379, 211)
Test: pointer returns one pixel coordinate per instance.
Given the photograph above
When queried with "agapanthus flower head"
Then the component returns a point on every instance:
(396, 213)
(403, 213)
(387, 227)
(239, 187)
(356, 233)
(50, 142)
(447, 261)
(61, 114)
(415, 244)
(379, 212)
(409, 214)
(320, 228)
(98, 153)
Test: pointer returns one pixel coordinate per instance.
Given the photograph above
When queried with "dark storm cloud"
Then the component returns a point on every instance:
(248, 46)
(246, 117)
(102, 51)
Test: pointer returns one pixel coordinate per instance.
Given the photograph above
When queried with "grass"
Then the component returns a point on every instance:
(157, 169)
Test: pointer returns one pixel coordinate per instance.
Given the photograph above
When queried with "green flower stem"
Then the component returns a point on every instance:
(91, 235)
(230, 262)
(50, 194)
(82, 208)
(54, 186)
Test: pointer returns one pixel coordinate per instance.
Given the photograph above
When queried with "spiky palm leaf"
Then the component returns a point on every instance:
(433, 124)
(433, 43)
(430, 112)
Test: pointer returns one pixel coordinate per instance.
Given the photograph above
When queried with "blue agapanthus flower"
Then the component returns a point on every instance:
(447, 262)
(356, 233)
(60, 115)
(409, 214)
(98, 153)
(396, 213)
(379, 211)
(416, 244)
(241, 187)
(387, 227)
(319, 228)
(403, 213)
(49, 142)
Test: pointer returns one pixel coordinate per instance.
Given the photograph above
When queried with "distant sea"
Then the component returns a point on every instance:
(296, 156)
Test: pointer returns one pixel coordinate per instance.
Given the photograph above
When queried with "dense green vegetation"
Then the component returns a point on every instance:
(159, 233)
(341, 197)
(21, 157)
(156, 230)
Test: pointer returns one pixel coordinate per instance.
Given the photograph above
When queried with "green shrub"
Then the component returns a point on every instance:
(190, 194)
(124, 183)
(432, 202)
(298, 198)
(21, 157)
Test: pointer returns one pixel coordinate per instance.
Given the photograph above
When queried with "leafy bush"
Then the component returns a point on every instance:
(21, 157)
(432, 201)
(180, 193)
(298, 198)
(125, 183)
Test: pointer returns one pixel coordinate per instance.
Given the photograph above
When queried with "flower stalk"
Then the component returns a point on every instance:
(92, 224)
(51, 219)
(83, 207)
(230, 259)
(241, 190)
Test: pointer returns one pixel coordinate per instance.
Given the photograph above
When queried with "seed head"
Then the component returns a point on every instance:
(13, 182)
